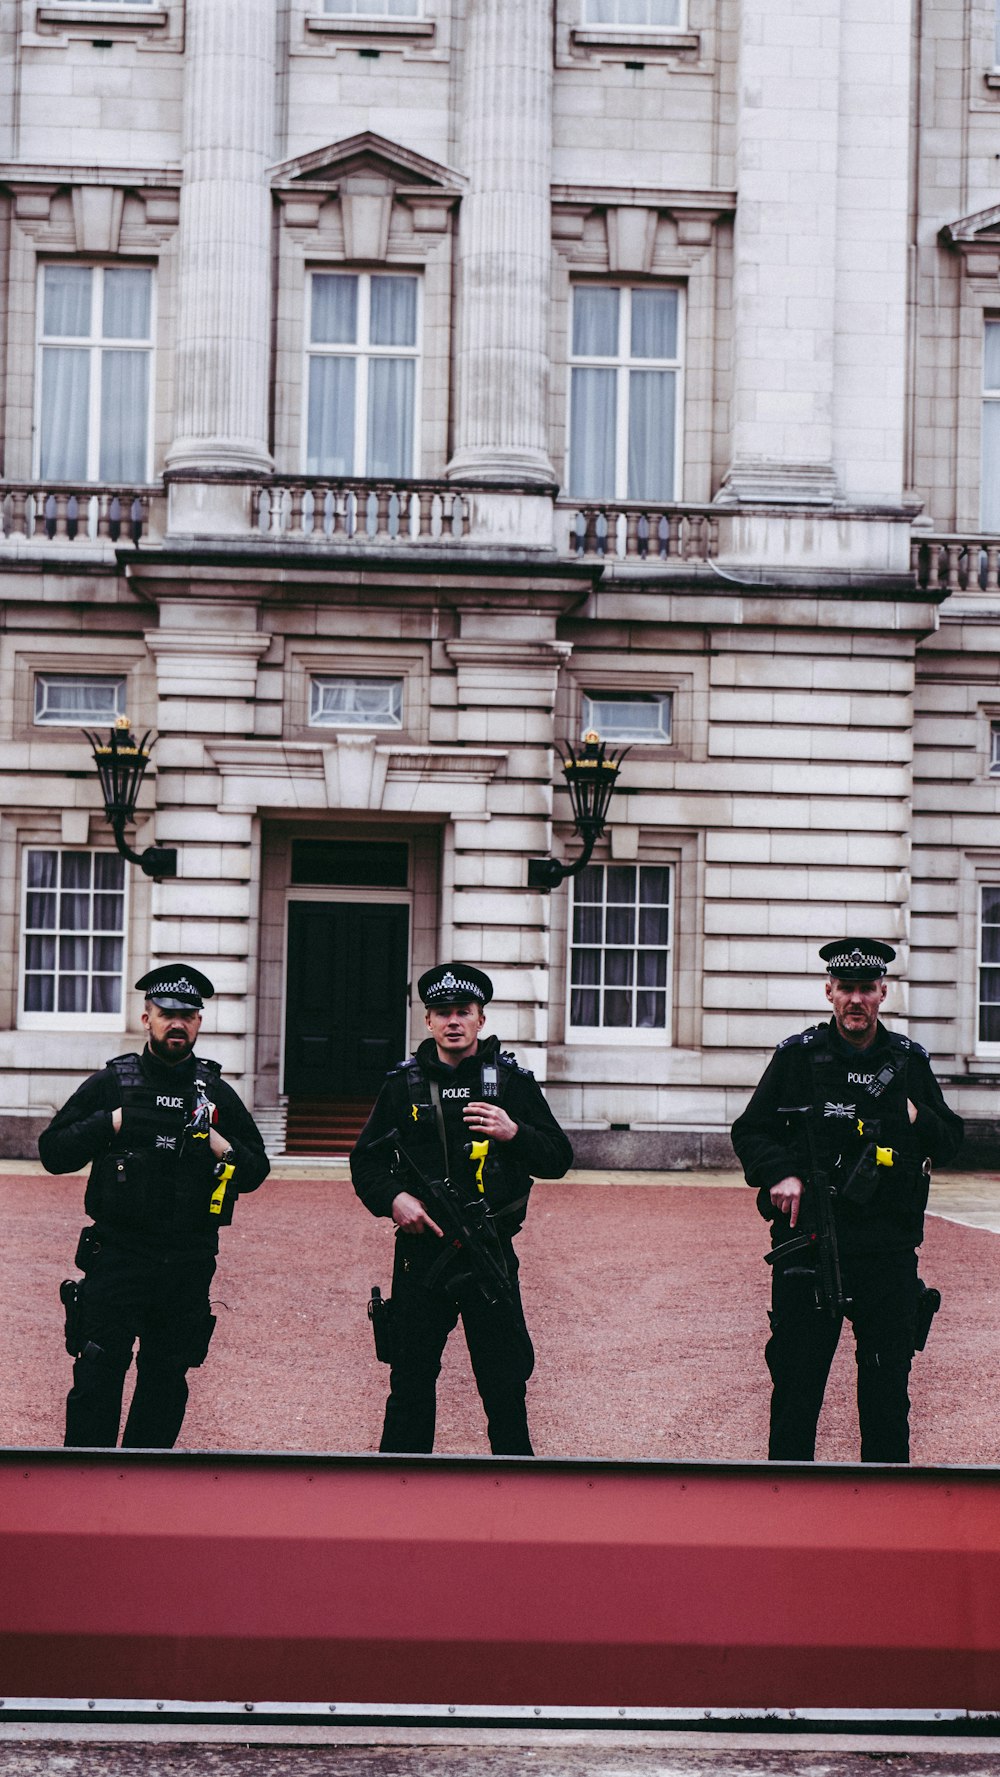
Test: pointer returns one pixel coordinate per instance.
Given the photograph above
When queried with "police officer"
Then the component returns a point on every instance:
(457, 1089)
(879, 1122)
(171, 1148)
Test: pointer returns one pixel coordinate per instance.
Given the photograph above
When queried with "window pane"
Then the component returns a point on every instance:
(74, 953)
(654, 884)
(109, 913)
(990, 493)
(617, 1010)
(621, 925)
(595, 322)
(76, 698)
(334, 309)
(587, 922)
(665, 13)
(991, 355)
(651, 409)
(124, 415)
(394, 311)
(654, 925)
(652, 968)
(589, 885)
(654, 323)
(330, 448)
(628, 718)
(650, 1011)
(368, 702)
(621, 882)
(991, 944)
(586, 968)
(72, 995)
(66, 309)
(109, 870)
(41, 912)
(40, 953)
(989, 986)
(43, 866)
(74, 912)
(390, 416)
(108, 955)
(127, 300)
(106, 994)
(584, 1006)
(64, 414)
(619, 968)
(76, 869)
(592, 434)
(39, 993)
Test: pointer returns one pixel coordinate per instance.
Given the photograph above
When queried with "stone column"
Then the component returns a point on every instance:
(785, 251)
(221, 407)
(505, 244)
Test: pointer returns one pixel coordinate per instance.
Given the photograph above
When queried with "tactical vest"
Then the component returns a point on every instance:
(416, 1114)
(869, 1122)
(155, 1178)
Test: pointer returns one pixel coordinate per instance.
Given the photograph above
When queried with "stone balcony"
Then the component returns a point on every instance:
(957, 562)
(350, 517)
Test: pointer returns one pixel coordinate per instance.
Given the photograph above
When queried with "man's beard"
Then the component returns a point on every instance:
(172, 1056)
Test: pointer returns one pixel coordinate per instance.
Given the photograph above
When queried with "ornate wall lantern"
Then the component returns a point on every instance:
(591, 775)
(121, 762)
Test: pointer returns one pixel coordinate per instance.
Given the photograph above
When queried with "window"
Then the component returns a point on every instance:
(624, 403)
(75, 698)
(989, 963)
(73, 926)
(630, 716)
(362, 374)
(392, 9)
(994, 749)
(355, 703)
(643, 13)
(95, 352)
(620, 951)
(990, 483)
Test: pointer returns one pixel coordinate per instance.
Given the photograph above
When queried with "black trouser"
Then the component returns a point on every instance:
(883, 1311)
(163, 1302)
(422, 1318)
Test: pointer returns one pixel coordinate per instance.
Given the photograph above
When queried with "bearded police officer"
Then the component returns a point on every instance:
(876, 1123)
(171, 1148)
(462, 1110)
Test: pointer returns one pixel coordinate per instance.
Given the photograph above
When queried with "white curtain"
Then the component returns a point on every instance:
(65, 413)
(592, 434)
(66, 698)
(651, 414)
(394, 9)
(391, 385)
(990, 478)
(127, 298)
(595, 322)
(633, 12)
(334, 309)
(393, 312)
(330, 442)
(654, 323)
(124, 416)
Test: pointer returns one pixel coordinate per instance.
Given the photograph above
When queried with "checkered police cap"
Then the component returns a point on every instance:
(451, 984)
(177, 987)
(857, 959)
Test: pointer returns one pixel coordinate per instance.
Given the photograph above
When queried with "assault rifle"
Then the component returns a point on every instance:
(818, 1241)
(467, 1224)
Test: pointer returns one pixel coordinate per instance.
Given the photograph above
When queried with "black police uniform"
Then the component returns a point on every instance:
(877, 1239)
(422, 1317)
(149, 1256)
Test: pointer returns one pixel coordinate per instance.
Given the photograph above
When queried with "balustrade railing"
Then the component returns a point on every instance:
(363, 512)
(632, 531)
(957, 563)
(47, 514)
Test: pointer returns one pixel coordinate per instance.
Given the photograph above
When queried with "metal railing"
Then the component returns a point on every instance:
(955, 563)
(633, 531)
(43, 512)
(309, 509)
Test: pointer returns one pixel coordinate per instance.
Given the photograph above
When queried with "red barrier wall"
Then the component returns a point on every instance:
(329, 1579)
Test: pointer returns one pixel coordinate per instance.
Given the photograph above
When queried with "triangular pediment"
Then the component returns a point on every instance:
(982, 228)
(371, 155)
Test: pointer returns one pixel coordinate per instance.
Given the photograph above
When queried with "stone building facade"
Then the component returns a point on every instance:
(393, 389)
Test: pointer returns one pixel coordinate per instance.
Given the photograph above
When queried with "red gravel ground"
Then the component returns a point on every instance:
(647, 1305)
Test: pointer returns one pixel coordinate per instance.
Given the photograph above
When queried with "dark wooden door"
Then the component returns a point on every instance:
(345, 1019)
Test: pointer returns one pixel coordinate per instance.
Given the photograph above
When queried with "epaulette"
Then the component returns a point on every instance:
(898, 1041)
(801, 1036)
(509, 1060)
(401, 1066)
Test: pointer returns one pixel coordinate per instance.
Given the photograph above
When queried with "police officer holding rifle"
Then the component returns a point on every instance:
(448, 1152)
(170, 1148)
(838, 1141)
